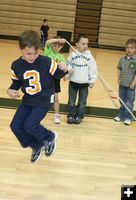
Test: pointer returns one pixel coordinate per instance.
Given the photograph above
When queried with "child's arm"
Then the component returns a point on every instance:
(41, 31)
(118, 77)
(13, 93)
(15, 86)
(119, 68)
(70, 72)
(70, 69)
(58, 70)
(70, 64)
(133, 84)
(62, 66)
(92, 72)
(55, 40)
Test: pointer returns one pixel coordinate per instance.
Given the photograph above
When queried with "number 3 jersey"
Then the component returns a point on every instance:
(35, 79)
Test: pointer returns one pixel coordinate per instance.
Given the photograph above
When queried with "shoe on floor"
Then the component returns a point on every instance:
(50, 146)
(36, 154)
(78, 120)
(127, 122)
(57, 119)
(71, 120)
(117, 119)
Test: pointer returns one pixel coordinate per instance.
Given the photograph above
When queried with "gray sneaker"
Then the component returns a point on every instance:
(36, 154)
(50, 146)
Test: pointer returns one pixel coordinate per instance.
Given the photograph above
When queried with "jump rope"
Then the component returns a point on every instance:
(108, 89)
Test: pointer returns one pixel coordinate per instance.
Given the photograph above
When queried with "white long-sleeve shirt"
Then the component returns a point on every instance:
(84, 65)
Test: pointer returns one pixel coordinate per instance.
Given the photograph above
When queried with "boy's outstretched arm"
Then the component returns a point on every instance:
(63, 67)
(58, 70)
(55, 40)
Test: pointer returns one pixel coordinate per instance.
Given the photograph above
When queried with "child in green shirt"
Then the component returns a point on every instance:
(53, 50)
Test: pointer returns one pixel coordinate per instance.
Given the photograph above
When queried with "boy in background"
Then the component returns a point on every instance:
(127, 82)
(44, 32)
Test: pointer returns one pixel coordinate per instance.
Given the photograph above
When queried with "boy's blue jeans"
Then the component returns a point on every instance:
(127, 95)
(27, 128)
(82, 93)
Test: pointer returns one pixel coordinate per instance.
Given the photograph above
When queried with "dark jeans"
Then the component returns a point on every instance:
(82, 91)
(127, 95)
(27, 128)
(43, 41)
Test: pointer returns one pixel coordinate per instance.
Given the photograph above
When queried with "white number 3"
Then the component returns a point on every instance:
(34, 82)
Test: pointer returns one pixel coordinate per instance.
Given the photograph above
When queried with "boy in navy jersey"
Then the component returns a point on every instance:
(33, 74)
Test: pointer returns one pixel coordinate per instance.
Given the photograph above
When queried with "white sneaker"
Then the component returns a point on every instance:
(117, 119)
(57, 119)
(127, 122)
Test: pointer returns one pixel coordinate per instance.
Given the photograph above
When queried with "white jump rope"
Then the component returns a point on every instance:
(107, 87)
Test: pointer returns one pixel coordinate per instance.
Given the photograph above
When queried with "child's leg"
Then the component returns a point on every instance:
(17, 126)
(72, 100)
(83, 94)
(56, 108)
(56, 104)
(71, 104)
(56, 101)
(130, 98)
(122, 95)
(42, 41)
(43, 136)
(33, 127)
(45, 39)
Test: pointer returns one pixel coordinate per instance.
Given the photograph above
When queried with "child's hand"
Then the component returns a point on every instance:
(71, 71)
(91, 85)
(65, 77)
(62, 40)
(63, 66)
(132, 85)
(13, 93)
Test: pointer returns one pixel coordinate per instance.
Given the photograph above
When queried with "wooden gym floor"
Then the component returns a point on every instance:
(92, 160)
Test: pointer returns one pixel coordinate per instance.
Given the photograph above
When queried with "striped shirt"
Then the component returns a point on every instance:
(35, 79)
(127, 67)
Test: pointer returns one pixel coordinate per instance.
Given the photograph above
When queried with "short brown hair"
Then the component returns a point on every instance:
(29, 38)
(45, 20)
(58, 37)
(131, 41)
(79, 36)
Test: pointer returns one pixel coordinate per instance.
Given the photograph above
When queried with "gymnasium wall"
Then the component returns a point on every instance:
(19, 15)
(106, 22)
(118, 22)
(88, 19)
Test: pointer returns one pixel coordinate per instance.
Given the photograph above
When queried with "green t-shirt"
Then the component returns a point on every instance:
(58, 57)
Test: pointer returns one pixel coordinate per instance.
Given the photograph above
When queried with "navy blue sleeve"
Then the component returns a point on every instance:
(16, 85)
(59, 73)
